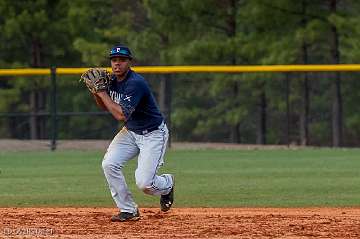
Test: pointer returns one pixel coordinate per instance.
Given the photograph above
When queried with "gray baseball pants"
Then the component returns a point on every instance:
(150, 149)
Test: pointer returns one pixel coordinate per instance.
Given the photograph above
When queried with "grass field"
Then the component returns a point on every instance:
(205, 178)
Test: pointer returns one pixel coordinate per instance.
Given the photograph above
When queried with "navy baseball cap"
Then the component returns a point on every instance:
(120, 50)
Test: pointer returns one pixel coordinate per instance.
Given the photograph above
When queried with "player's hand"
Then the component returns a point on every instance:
(99, 102)
(101, 93)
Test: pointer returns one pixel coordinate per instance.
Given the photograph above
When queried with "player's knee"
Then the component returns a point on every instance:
(144, 185)
(107, 165)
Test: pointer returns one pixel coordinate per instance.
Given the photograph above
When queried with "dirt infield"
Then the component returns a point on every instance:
(182, 223)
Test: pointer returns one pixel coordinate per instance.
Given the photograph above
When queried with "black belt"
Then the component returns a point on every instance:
(149, 130)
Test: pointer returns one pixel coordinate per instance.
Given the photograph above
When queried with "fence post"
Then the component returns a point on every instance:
(287, 82)
(53, 108)
(165, 95)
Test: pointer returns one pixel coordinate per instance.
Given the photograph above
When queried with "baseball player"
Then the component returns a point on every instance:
(145, 134)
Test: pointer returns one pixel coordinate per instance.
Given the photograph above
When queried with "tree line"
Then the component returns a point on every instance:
(306, 108)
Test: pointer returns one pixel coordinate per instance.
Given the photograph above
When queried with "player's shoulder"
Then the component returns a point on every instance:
(137, 79)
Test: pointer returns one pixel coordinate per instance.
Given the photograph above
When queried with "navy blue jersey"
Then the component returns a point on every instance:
(138, 104)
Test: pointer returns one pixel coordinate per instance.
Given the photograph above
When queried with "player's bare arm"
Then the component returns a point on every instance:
(111, 106)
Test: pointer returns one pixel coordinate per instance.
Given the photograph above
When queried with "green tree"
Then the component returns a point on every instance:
(36, 35)
(243, 108)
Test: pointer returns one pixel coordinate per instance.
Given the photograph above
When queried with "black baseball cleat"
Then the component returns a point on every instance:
(126, 216)
(167, 200)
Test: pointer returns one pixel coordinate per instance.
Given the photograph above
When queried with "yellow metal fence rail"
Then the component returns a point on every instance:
(53, 72)
(192, 69)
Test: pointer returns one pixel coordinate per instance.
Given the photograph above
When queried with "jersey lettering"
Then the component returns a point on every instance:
(117, 97)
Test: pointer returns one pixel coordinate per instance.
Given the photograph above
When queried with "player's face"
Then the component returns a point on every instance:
(120, 66)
